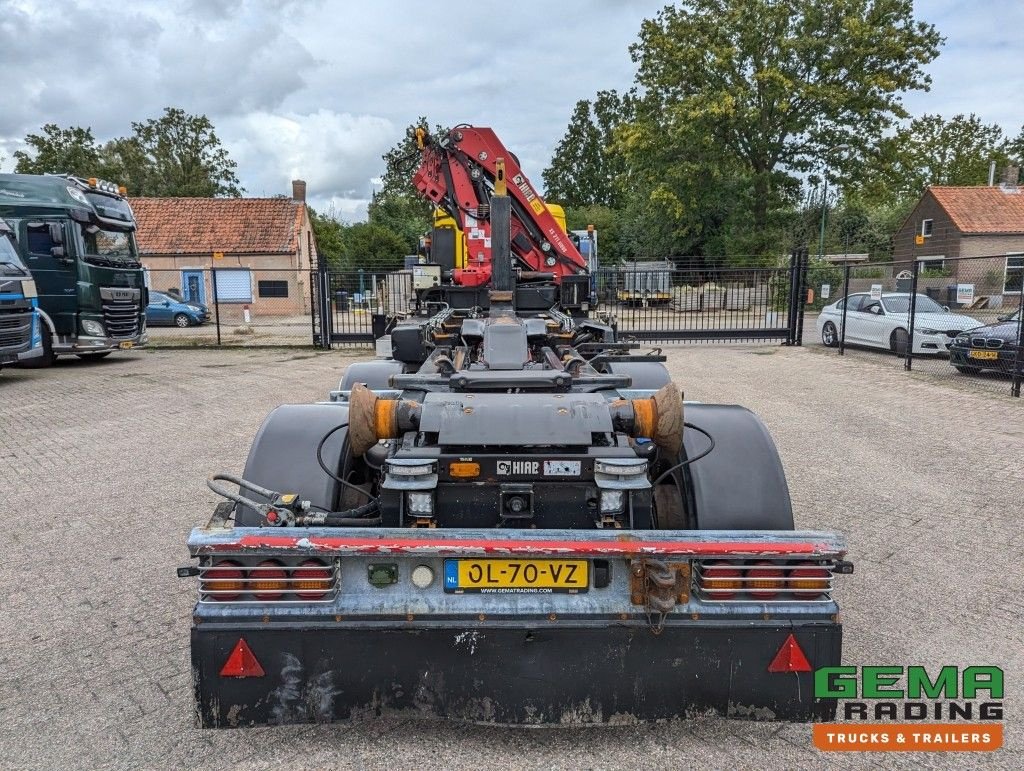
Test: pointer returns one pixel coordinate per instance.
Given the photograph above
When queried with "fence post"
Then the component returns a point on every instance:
(216, 302)
(325, 307)
(909, 363)
(1018, 357)
(842, 321)
(791, 305)
(802, 295)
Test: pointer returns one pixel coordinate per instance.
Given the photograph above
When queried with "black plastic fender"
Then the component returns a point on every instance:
(740, 485)
(283, 456)
(373, 374)
(645, 374)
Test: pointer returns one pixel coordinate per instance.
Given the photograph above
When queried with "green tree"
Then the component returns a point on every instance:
(397, 206)
(586, 166)
(176, 154)
(328, 232)
(931, 150)
(762, 90)
(57, 150)
(371, 247)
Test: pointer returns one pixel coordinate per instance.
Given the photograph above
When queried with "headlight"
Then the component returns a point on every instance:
(962, 340)
(420, 504)
(28, 288)
(925, 331)
(611, 501)
(94, 328)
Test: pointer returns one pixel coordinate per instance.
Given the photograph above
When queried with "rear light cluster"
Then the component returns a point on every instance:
(269, 580)
(763, 580)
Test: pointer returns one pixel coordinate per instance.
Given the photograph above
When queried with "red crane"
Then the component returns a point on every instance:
(458, 173)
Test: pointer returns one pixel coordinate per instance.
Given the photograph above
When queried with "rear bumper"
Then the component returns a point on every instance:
(540, 673)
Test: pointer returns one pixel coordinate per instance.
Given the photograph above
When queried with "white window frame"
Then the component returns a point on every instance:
(931, 228)
(939, 258)
(1006, 272)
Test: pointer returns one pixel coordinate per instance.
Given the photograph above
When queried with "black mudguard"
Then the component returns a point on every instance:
(741, 484)
(650, 375)
(283, 455)
(373, 374)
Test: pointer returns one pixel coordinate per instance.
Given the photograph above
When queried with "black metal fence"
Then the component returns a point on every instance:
(959, 319)
(229, 306)
(656, 302)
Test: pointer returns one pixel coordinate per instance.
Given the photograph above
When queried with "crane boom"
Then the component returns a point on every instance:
(458, 173)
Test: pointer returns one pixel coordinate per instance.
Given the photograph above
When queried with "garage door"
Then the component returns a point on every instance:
(234, 286)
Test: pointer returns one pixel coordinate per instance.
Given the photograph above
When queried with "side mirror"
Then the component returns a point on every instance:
(56, 234)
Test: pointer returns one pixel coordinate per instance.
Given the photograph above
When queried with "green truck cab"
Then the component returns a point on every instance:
(77, 237)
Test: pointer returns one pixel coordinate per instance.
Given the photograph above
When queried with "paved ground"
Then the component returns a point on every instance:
(104, 464)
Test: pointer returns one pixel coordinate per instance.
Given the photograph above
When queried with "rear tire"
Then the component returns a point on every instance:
(899, 342)
(48, 357)
(829, 335)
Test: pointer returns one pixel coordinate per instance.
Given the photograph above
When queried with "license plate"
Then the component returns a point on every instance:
(986, 355)
(125, 345)
(516, 576)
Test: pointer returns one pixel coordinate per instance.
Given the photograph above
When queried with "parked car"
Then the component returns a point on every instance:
(993, 346)
(164, 310)
(884, 323)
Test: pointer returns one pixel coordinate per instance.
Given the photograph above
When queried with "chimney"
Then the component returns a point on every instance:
(299, 190)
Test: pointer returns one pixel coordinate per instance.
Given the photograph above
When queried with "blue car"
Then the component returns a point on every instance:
(164, 310)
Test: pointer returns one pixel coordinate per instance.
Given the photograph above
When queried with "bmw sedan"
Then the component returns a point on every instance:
(994, 346)
(164, 310)
(884, 322)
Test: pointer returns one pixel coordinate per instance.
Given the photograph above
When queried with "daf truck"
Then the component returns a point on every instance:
(77, 237)
(19, 325)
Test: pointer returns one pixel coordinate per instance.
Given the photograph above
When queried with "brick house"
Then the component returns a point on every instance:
(961, 222)
(260, 248)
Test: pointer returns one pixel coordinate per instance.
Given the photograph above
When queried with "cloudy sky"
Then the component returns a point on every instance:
(319, 89)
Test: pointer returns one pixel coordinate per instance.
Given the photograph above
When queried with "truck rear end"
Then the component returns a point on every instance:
(524, 627)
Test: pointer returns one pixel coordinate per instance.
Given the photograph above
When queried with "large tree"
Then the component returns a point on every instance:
(751, 93)
(586, 167)
(57, 150)
(931, 150)
(177, 154)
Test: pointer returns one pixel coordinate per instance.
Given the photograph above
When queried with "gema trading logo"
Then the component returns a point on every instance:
(954, 709)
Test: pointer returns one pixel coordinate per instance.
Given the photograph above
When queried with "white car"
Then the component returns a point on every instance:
(884, 323)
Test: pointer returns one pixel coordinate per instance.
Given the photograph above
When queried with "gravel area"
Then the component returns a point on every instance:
(102, 467)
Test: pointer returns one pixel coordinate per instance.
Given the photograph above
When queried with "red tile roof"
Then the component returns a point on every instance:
(206, 225)
(978, 210)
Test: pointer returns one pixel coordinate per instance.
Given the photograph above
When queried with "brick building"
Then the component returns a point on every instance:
(960, 222)
(260, 248)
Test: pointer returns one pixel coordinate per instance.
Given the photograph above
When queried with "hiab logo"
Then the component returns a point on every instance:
(913, 695)
(517, 467)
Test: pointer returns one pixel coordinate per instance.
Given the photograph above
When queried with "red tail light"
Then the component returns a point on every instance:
(268, 583)
(764, 582)
(719, 576)
(224, 581)
(312, 580)
(809, 577)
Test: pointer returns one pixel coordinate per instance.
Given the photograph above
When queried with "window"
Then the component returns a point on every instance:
(1014, 280)
(926, 228)
(39, 241)
(234, 285)
(272, 288)
(853, 302)
(934, 265)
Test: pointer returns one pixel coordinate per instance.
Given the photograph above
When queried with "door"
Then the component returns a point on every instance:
(855, 320)
(193, 286)
(873, 323)
(56, 276)
(159, 309)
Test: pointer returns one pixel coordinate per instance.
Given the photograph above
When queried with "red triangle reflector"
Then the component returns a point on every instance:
(790, 658)
(241, 662)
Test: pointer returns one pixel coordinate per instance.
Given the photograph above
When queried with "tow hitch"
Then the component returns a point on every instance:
(658, 586)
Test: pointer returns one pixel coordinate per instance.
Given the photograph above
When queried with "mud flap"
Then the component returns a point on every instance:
(614, 674)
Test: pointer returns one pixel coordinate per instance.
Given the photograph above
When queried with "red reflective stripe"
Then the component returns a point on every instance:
(493, 546)
(242, 662)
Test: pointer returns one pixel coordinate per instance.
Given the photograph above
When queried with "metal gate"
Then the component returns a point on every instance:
(656, 302)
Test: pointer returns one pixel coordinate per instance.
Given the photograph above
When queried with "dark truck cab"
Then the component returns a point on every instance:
(77, 238)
